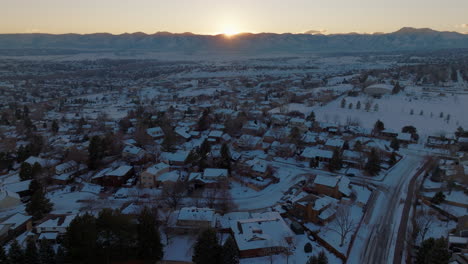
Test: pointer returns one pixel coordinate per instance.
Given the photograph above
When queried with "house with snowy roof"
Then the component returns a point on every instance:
(215, 135)
(175, 159)
(43, 162)
(66, 167)
(254, 128)
(334, 186)
(248, 142)
(315, 209)
(194, 217)
(155, 132)
(333, 143)
(265, 234)
(131, 153)
(182, 134)
(114, 178)
(149, 176)
(57, 225)
(405, 138)
(14, 225)
(215, 174)
(311, 153)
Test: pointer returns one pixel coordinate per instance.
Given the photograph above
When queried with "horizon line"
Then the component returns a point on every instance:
(316, 32)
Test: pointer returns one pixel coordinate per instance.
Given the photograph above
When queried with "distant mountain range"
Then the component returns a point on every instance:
(405, 39)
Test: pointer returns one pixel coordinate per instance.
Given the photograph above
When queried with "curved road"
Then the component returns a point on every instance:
(383, 223)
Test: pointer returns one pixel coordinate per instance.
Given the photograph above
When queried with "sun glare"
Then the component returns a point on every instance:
(229, 32)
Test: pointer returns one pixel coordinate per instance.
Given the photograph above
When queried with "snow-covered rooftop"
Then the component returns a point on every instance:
(196, 214)
(120, 171)
(261, 232)
(16, 220)
(311, 152)
(210, 173)
(329, 181)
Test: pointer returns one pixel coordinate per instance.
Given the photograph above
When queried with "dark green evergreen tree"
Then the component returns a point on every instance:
(204, 150)
(336, 161)
(358, 146)
(438, 198)
(169, 140)
(95, 152)
(31, 255)
(26, 171)
(230, 253)
(308, 247)
(55, 126)
(117, 236)
(60, 256)
(46, 252)
(25, 111)
(311, 117)
(395, 144)
(295, 136)
(3, 255)
(393, 159)
(206, 249)
(39, 205)
(433, 251)
(322, 258)
(204, 121)
(34, 185)
(36, 169)
(225, 157)
(192, 157)
(149, 239)
(16, 253)
(379, 127)
(346, 145)
(373, 163)
(313, 163)
(313, 260)
(80, 247)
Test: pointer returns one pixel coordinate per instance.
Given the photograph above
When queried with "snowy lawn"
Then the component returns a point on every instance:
(395, 112)
(180, 248)
(333, 238)
(298, 256)
(69, 202)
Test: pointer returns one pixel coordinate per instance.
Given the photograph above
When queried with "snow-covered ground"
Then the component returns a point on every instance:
(299, 256)
(69, 202)
(382, 222)
(248, 199)
(395, 112)
(180, 248)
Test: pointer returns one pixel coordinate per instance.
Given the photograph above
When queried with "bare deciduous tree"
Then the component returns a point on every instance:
(172, 194)
(343, 223)
(211, 196)
(226, 203)
(424, 220)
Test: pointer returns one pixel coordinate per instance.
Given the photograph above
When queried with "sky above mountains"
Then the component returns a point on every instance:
(230, 17)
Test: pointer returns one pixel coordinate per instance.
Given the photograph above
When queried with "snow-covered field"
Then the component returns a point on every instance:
(298, 255)
(66, 202)
(179, 248)
(395, 112)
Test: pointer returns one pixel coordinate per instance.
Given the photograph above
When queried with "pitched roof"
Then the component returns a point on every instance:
(329, 181)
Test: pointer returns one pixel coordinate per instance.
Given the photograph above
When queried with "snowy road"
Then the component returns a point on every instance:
(291, 174)
(379, 232)
(268, 197)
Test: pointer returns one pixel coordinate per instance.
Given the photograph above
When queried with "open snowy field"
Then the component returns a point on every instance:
(395, 112)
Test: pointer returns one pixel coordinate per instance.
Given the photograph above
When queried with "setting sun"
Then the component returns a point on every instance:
(229, 32)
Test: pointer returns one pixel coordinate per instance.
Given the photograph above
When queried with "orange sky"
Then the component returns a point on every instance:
(218, 16)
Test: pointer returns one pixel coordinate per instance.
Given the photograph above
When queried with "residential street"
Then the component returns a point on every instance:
(381, 231)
